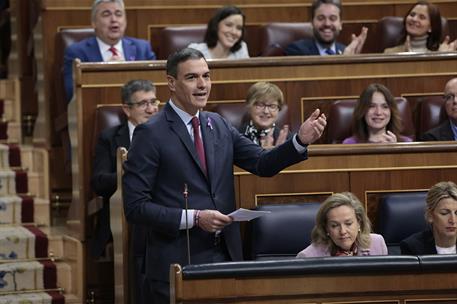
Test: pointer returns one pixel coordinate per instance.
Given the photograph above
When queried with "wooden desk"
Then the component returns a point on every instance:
(338, 280)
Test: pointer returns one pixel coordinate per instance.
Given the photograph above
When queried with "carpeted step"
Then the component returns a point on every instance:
(15, 210)
(25, 276)
(52, 297)
(18, 242)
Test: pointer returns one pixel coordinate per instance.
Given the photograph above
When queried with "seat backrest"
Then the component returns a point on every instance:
(432, 113)
(284, 232)
(389, 30)
(106, 116)
(237, 114)
(340, 119)
(174, 38)
(64, 38)
(276, 36)
(399, 216)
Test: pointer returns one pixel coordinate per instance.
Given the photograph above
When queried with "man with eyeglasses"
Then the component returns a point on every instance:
(448, 129)
(109, 43)
(139, 103)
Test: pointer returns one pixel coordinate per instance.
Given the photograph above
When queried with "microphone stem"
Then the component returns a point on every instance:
(185, 193)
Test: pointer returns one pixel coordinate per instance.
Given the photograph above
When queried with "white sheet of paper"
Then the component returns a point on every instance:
(242, 214)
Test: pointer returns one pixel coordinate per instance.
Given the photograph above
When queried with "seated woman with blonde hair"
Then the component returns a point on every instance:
(264, 102)
(422, 31)
(441, 214)
(376, 118)
(343, 229)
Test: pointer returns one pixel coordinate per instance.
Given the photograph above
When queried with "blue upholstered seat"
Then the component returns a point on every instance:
(399, 216)
(284, 232)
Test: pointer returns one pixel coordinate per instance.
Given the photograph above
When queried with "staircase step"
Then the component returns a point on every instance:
(18, 242)
(24, 276)
(34, 298)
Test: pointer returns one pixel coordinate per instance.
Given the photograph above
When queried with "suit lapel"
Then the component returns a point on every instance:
(446, 132)
(208, 142)
(177, 125)
(314, 50)
(93, 49)
(123, 137)
(129, 50)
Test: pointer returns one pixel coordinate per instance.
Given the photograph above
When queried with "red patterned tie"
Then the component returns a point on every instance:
(199, 143)
(113, 50)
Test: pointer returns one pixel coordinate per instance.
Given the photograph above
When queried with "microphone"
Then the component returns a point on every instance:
(186, 195)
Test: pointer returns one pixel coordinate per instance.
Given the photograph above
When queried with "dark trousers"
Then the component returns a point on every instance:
(158, 292)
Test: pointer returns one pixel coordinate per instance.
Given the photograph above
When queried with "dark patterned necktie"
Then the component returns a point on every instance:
(329, 51)
(113, 50)
(199, 143)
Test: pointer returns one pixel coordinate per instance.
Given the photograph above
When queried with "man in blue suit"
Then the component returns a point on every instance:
(326, 21)
(183, 145)
(109, 44)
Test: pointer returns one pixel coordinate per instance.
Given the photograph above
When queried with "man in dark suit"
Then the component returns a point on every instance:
(183, 145)
(109, 44)
(139, 103)
(326, 21)
(448, 129)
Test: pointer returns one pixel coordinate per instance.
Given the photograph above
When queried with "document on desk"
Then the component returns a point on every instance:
(242, 214)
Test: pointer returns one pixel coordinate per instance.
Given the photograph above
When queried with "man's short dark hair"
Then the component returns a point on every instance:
(181, 56)
(134, 86)
(317, 3)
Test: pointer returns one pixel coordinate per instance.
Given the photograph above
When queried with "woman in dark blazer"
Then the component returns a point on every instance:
(441, 214)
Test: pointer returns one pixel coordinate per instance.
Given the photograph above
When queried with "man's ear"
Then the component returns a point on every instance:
(126, 110)
(171, 83)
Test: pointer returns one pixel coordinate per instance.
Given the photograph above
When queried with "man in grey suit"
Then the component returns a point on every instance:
(183, 145)
(448, 129)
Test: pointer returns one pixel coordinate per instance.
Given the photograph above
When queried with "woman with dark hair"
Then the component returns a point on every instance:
(441, 215)
(422, 31)
(224, 35)
(376, 118)
(343, 229)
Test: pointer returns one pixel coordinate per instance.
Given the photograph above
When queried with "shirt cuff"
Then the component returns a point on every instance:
(299, 146)
(190, 219)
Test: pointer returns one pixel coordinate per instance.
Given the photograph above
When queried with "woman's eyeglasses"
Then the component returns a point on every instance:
(273, 107)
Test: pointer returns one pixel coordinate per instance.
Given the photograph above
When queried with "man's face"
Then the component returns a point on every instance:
(143, 105)
(110, 22)
(192, 85)
(450, 96)
(327, 23)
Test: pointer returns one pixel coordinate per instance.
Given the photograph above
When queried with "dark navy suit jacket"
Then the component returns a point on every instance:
(87, 50)
(308, 47)
(442, 132)
(162, 158)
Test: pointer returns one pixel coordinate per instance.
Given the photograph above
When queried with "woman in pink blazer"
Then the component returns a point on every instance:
(343, 229)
